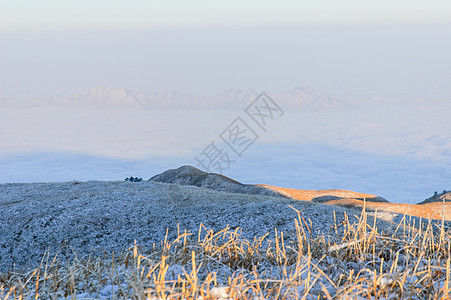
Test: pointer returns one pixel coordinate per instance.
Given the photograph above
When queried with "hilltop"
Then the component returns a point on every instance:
(433, 208)
(445, 196)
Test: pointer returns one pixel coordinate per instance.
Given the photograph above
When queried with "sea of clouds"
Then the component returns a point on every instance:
(398, 150)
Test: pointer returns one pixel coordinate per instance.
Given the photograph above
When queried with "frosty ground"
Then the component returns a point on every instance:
(80, 217)
(126, 240)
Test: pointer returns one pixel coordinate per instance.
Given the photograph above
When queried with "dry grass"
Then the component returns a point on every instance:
(434, 210)
(309, 195)
(359, 261)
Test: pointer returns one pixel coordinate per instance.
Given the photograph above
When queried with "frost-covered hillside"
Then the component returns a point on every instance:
(108, 216)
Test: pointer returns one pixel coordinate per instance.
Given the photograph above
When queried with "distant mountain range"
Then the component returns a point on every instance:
(234, 99)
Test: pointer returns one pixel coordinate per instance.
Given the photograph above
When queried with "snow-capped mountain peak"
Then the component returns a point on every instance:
(299, 97)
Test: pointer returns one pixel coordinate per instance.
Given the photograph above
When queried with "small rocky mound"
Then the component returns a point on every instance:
(189, 175)
(444, 196)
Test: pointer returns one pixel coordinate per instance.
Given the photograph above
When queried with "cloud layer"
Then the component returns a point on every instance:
(394, 149)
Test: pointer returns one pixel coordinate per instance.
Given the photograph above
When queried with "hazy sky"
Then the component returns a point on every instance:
(388, 48)
(362, 48)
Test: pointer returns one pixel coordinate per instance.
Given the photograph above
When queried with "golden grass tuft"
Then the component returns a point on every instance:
(412, 262)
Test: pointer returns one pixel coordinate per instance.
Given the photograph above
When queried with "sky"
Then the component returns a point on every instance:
(143, 14)
(356, 48)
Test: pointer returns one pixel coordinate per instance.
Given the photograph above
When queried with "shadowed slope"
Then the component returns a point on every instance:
(189, 175)
(443, 197)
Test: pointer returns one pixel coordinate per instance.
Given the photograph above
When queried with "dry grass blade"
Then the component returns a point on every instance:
(408, 263)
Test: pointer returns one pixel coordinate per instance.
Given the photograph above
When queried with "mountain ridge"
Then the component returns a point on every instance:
(189, 175)
(445, 196)
(231, 99)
